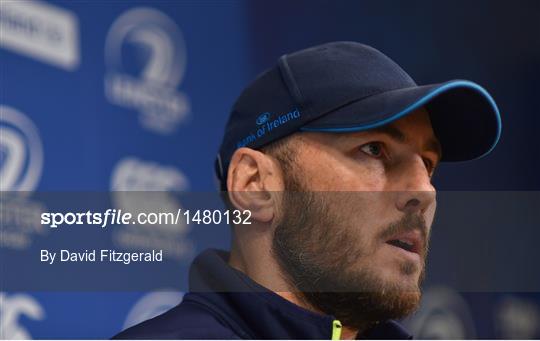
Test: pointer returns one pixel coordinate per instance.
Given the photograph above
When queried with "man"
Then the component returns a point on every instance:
(332, 151)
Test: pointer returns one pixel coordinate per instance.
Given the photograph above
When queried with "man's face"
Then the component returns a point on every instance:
(355, 238)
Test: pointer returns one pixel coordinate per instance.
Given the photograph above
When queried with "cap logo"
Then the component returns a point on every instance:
(266, 126)
(263, 118)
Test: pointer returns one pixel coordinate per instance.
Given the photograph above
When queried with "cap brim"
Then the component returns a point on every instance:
(464, 116)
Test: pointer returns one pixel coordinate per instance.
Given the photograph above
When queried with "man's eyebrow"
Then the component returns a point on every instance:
(432, 145)
(391, 131)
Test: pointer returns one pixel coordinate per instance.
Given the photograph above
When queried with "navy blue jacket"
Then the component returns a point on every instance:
(223, 303)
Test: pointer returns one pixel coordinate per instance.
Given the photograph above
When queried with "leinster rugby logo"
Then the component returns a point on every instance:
(145, 58)
(21, 164)
(443, 314)
(21, 152)
(146, 186)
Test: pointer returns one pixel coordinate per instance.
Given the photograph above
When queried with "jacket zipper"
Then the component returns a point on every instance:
(336, 330)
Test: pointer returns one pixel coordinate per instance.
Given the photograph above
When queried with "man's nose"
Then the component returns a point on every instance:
(415, 193)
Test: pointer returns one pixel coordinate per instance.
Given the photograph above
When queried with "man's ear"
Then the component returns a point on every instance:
(253, 179)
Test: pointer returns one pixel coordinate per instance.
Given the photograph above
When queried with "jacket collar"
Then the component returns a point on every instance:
(253, 311)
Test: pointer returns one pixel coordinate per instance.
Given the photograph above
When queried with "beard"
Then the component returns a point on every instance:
(329, 264)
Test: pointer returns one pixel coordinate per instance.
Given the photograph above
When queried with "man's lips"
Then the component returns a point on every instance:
(411, 241)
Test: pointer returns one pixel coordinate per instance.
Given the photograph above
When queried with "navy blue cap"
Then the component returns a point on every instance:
(348, 87)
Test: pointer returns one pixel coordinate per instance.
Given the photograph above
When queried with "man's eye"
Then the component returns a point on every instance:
(430, 166)
(373, 148)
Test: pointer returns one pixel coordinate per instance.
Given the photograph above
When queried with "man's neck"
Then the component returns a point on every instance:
(273, 279)
(347, 333)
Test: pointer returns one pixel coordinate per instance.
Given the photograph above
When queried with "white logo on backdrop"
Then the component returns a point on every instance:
(443, 314)
(153, 91)
(517, 318)
(144, 186)
(11, 309)
(21, 164)
(152, 305)
(41, 31)
(21, 152)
